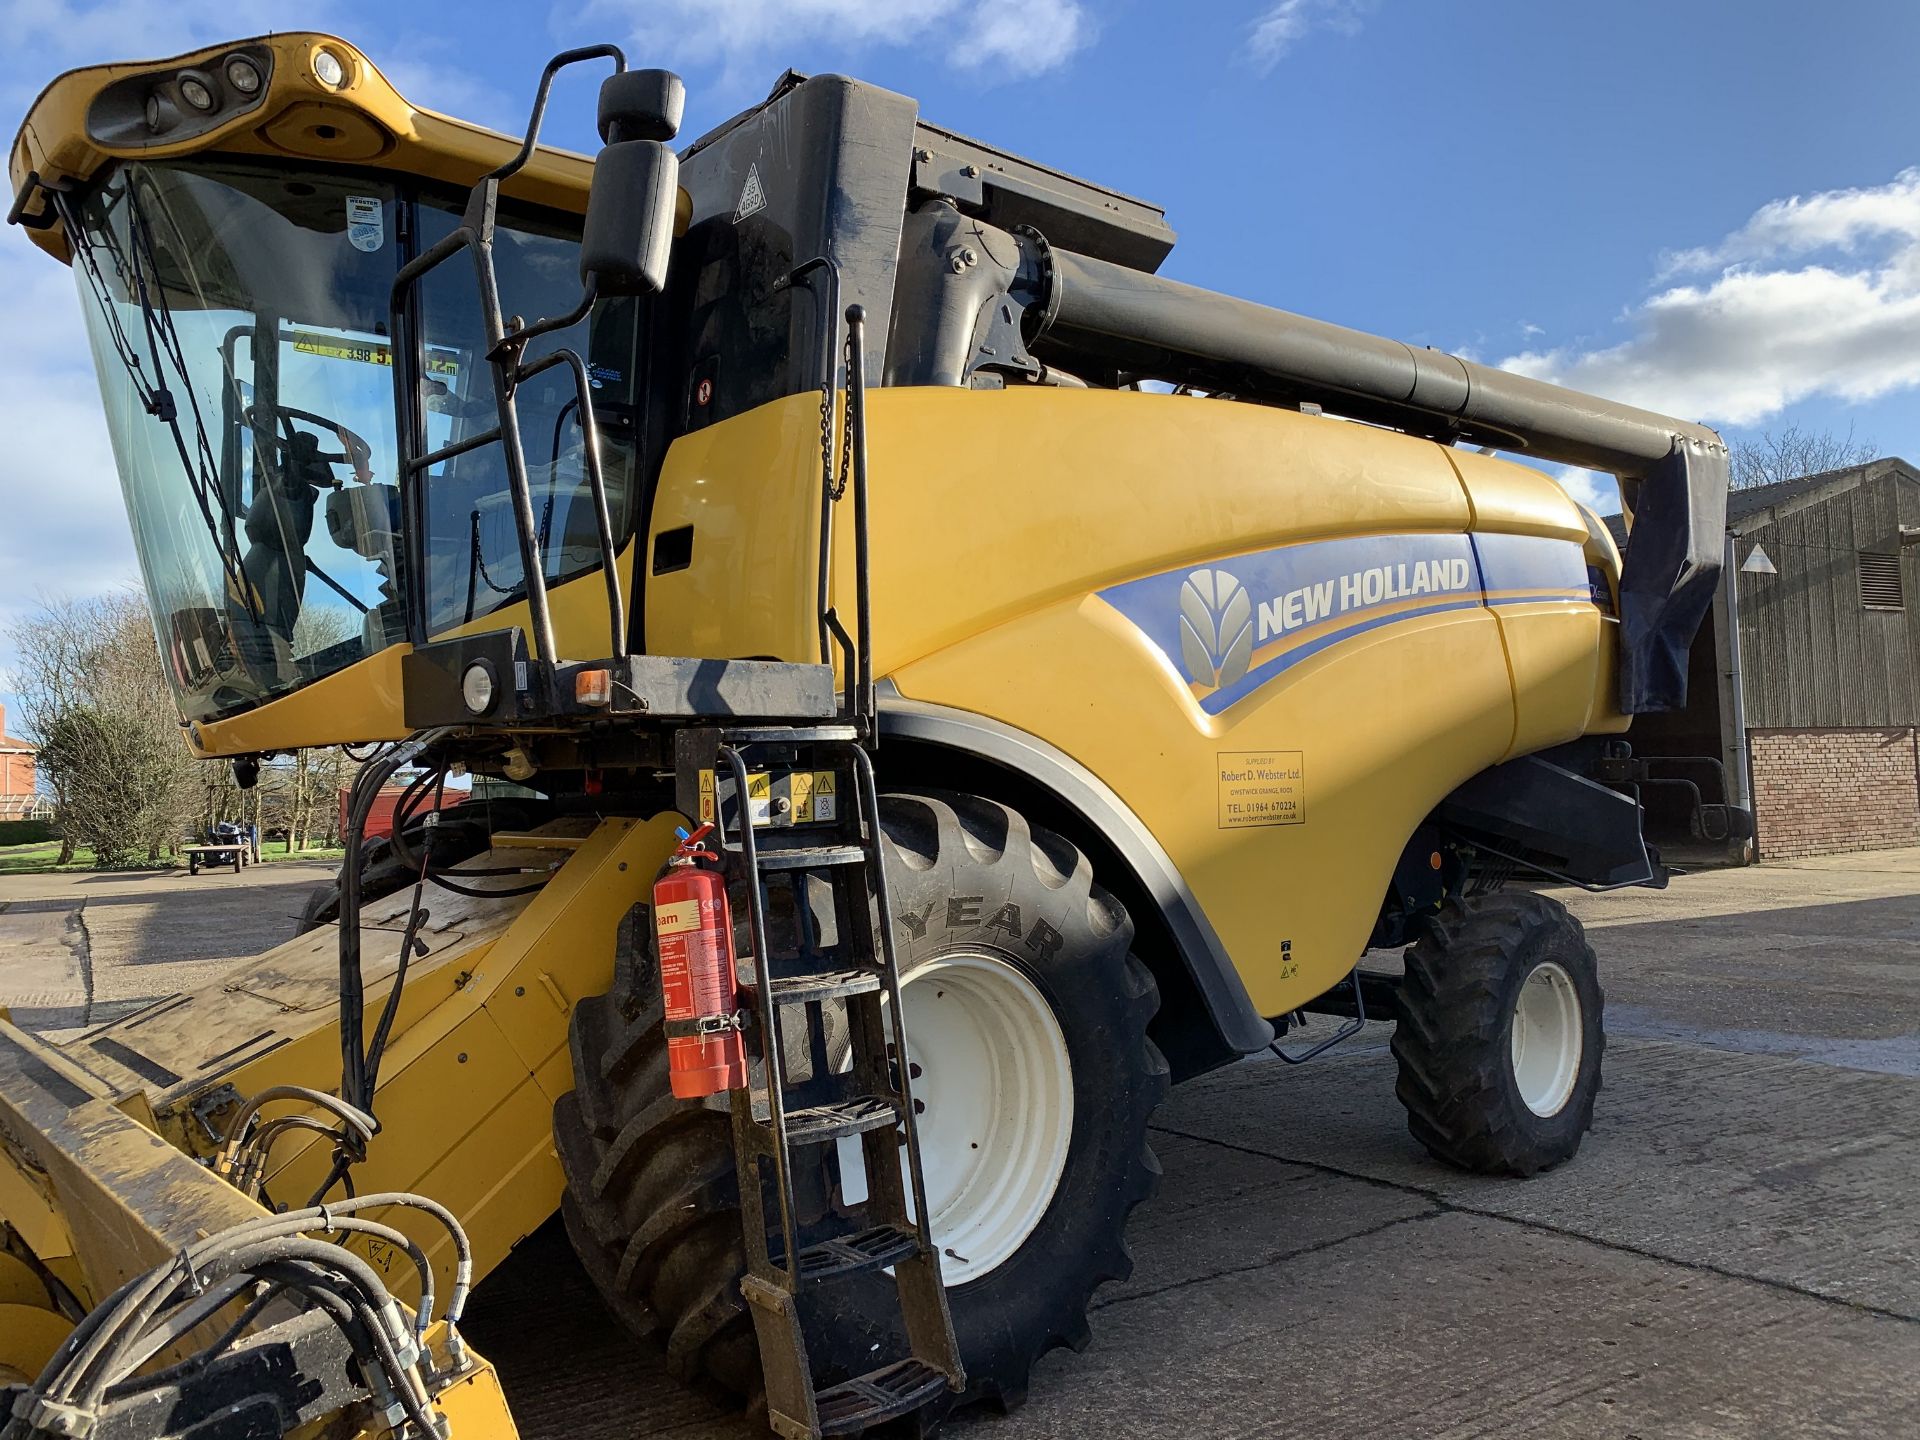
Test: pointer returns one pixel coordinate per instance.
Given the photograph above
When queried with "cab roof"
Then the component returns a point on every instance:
(89, 118)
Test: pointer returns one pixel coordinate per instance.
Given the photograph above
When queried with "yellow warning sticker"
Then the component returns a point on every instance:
(800, 792)
(709, 807)
(677, 917)
(826, 803)
(337, 347)
(760, 797)
(1261, 787)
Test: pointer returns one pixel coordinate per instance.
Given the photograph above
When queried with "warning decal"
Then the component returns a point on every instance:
(759, 797)
(1261, 787)
(753, 199)
(825, 803)
(367, 352)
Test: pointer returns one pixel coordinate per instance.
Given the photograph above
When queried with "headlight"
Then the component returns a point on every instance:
(476, 687)
(196, 92)
(328, 70)
(243, 75)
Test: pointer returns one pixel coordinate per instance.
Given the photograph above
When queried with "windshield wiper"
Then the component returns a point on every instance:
(138, 274)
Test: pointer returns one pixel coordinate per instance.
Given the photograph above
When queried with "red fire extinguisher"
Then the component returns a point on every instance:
(705, 1050)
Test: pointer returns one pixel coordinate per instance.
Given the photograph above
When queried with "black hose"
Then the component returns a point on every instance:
(158, 1308)
(446, 884)
(200, 1359)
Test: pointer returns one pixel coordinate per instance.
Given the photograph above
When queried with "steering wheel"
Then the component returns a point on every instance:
(354, 450)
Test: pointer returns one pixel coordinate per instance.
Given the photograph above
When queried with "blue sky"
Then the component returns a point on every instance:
(1708, 208)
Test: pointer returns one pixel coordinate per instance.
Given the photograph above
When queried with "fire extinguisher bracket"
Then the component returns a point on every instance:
(701, 1025)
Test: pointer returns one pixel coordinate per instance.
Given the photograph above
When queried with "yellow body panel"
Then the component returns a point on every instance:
(477, 1059)
(998, 519)
(364, 702)
(750, 488)
(578, 608)
(359, 704)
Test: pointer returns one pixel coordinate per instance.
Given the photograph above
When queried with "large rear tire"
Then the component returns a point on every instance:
(1500, 1035)
(1027, 1018)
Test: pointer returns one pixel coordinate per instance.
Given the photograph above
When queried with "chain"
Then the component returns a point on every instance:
(837, 487)
(826, 436)
(846, 428)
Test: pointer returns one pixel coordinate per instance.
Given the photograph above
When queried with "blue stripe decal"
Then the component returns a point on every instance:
(1294, 656)
(1530, 562)
(1232, 627)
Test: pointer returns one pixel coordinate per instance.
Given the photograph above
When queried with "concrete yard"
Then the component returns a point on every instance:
(1735, 1252)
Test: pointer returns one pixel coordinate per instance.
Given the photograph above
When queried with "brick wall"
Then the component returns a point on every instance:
(16, 780)
(1823, 792)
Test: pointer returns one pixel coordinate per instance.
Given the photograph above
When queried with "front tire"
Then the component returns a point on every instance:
(1016, 978)
(1500, 1035)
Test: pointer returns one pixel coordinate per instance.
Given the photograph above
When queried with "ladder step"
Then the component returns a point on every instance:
(818, 1124)
(792, 735)
(810, 857)
(885, 1394)
(845, 1255)
(826, 985)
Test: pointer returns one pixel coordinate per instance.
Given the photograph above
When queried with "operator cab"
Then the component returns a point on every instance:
(238, 313)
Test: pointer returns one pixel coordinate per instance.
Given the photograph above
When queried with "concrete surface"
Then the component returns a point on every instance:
(79, 949)
(1733, 1253)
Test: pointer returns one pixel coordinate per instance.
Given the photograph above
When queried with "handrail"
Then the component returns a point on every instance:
(596, 482)
(503, 348)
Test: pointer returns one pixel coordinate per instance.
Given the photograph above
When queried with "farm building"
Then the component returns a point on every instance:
(1804, 694)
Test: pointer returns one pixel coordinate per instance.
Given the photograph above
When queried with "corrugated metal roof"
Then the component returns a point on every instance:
(1750, 505)
(1757, 505)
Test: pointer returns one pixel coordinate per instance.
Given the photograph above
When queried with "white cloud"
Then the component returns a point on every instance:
(1011, 37)
(46, 36)
(1599, 493)
(447, 86)
(1815, 296)
(1284, 25)
(1833, 219)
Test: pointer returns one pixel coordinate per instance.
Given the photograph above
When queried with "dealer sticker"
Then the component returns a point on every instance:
(1261, 787)
(366, 223)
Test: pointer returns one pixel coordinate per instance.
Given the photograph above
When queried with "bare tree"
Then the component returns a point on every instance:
(49, 679)
(302, 789)
(1790, 453)
(93, 693)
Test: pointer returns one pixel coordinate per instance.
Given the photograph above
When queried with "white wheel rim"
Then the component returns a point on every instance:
(993, 1099)
(1547, 1039)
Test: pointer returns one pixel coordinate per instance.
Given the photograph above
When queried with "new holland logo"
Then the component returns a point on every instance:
(1216, 628)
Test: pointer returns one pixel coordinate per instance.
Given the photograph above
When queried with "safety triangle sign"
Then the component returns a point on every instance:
(753, 199)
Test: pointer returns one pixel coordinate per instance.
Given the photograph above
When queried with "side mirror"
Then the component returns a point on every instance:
(636, 184)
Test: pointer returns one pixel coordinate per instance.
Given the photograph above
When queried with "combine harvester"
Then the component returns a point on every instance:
(1044, 738)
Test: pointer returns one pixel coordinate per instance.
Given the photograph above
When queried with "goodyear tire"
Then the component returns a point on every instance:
(1024, 1010)
(1500, 1035)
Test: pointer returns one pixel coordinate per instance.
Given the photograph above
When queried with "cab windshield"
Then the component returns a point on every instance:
(238, 316)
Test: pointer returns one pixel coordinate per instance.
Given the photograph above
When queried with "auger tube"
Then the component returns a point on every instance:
(1133, 319)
